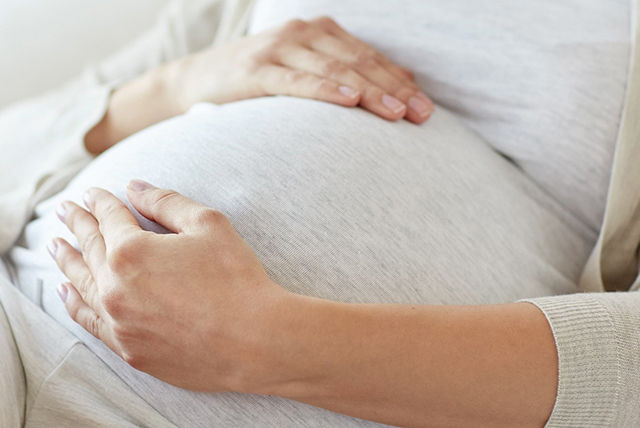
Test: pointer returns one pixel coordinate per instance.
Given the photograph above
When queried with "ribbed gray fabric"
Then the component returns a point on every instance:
(588, 371)
(597, 336)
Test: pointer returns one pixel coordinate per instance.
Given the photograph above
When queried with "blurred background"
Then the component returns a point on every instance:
(62, 37)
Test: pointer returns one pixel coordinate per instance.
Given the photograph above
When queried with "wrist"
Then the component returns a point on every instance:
(283, 335)
(172, 82)
(140, 103)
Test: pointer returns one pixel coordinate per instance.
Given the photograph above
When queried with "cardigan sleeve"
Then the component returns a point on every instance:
(42, 139)
(597, 337)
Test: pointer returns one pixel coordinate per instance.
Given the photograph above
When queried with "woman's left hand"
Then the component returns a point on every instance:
(310, 59)
(190, 308)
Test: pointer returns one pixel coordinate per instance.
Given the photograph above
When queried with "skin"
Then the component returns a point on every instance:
(310, 59)
(201, 293)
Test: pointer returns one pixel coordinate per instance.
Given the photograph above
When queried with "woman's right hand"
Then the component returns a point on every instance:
(310, 59)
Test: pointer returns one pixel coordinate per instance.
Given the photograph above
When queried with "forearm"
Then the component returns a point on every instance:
(492, 365)
(142, 102)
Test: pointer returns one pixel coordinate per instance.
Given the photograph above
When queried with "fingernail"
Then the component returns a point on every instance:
(52, 248)
(139, 185)
(420, 106)
(61, 211)
(392, 103)
(348, 92)
(424, 98)
(63, 292)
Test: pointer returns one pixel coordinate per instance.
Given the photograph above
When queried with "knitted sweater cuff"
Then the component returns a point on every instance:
(589, 367)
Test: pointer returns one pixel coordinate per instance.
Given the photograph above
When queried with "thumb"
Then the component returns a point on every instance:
(168, 208)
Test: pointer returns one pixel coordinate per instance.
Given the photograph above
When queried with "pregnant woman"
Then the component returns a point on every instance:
(317, 264)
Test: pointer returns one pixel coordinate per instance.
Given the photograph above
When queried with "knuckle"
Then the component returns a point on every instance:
(293, 77)
(253, 62)
(376, 55)
(108, 209)
(294, 26)
(364, 60)
(74, 310)
(93, 326)
(404, 92)
(164, 197)
(325, 21)
(123, 334)
(270, 52)
(63, 255)
(208, 217)
(372, 92)
(90, 241)
(323, 87)
(113, 302)
(396, 89)
(125, 254)
(410, 86)
(278, 38)
(83, 285)
(332, 67)
(71, 215)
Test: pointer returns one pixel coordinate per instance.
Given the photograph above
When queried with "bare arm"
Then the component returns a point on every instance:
(436, 366)
(315, 59)
(136, 105)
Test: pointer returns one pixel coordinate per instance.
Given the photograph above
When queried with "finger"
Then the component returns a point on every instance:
(373, 98)
(366, 67)
(80, 311)
(73, 266)
(335, 29)
(366, 61)
(115, 221)
(358, 46)
(300, 83)
(419, 106)
(167, 207)
(85, 228)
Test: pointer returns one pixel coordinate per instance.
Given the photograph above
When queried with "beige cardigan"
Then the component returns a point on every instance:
(597, 334)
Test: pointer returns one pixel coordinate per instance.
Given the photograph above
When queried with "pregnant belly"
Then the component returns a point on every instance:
(342, 205)
(338, 204)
